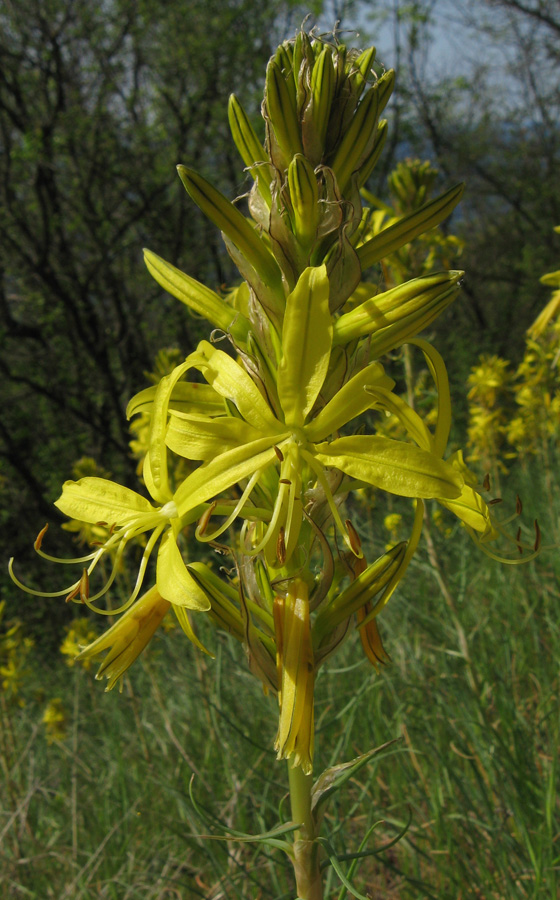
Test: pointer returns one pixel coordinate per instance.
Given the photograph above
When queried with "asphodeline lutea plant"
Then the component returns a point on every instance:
(277, 424)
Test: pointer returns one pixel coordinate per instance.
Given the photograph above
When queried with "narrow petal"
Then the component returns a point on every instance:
(100, 500)
(393, 466)
(174, 582)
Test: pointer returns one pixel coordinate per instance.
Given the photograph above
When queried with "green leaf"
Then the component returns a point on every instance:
(306, 345)
(392, 466)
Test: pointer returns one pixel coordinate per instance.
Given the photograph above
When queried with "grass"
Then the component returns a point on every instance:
(472, 696)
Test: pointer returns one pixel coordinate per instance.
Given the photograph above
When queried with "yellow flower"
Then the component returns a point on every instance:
(55, 720)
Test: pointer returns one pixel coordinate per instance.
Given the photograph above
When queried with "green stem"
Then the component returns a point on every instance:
(309, 882)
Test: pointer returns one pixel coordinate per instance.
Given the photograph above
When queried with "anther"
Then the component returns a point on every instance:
(84, 586)
(537, 536)
(40, 536)
(102, 524)
(518, 505)
(281, 546)
(518, 540)
(74, 593)
(205, 517)
(355, 541)
(279, 453)
(494, 501)
(284, 481)
(486, 482)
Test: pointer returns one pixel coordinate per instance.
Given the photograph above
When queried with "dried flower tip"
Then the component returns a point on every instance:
(40, 536)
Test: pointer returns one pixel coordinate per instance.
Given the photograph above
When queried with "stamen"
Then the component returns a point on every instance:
(32, 591)
(40, 536)
(279, 453)
(84, 586)
(205, 518)
(518, 505)
(486, 482)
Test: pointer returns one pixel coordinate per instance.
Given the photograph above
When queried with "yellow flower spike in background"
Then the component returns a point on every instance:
(258, 453)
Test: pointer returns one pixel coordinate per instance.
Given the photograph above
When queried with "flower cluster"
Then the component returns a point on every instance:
(274, 430)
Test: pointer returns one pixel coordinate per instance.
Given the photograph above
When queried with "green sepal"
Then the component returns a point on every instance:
(235, 226)
(409, 227)
(196, 296)
(385, 87)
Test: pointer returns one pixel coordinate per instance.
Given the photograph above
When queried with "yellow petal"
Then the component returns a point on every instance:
(174, 581)
(100, 500)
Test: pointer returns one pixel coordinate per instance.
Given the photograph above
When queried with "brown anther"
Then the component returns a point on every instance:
(40, 536)
(102, 524)
(74, 593)
(112, 528)
(281, 546)
(205, 518)
(486, 482)
(355, 541)
(284, 481)
(518, 505)
(84, 586)
(494, 501)
(537, 536)
(518, 540)
(279, 453)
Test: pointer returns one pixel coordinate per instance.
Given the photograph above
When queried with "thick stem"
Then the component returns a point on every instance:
(309, 882)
